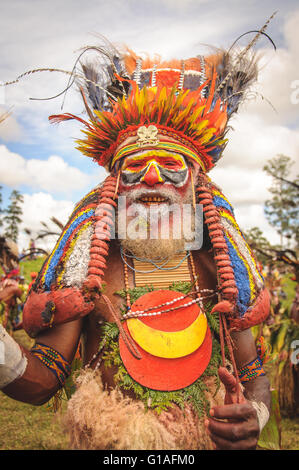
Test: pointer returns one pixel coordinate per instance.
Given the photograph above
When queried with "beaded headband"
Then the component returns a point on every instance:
(160, 141)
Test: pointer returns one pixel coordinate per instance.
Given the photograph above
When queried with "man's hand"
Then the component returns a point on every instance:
(240, 430)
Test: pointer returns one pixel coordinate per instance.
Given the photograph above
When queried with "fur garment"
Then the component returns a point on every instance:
(97, 419)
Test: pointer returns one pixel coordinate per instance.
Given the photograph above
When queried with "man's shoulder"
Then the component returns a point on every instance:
(90, 199)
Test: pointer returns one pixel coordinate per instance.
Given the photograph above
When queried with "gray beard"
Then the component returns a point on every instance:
(153, 249)
(158, 247)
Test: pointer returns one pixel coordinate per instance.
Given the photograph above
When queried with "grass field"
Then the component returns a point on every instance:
(31, 265)
(26, 427)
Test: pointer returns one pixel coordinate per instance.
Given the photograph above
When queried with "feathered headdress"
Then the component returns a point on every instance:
(188, 101)
(134, 104)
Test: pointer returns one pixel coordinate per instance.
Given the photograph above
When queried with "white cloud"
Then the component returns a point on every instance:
(278, 70)
(249, 216)
(247, 191)
(253, 141)
(260, 134)
(10, 129)
(242, 185)
(37, 208)
(172, 28)
(53, 174)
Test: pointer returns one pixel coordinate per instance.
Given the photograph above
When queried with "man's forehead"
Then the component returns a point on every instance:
(152, 154)
(169, 145)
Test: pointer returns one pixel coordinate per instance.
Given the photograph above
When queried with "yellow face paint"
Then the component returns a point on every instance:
(173, 147)
(168, 160)
(154, 167)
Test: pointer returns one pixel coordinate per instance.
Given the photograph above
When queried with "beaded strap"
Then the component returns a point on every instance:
(53, 360)
(142, 313)
(252, 370)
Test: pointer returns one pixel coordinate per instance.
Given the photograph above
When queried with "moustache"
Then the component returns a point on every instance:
(162, 195)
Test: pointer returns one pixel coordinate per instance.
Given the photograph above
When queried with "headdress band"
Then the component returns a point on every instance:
(171, 146)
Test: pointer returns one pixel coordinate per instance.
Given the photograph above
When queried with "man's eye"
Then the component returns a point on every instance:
(135, 165)
(170, 164)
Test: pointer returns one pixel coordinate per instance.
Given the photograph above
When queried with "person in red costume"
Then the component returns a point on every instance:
(175, 305)
(9, 293)
(33, 276)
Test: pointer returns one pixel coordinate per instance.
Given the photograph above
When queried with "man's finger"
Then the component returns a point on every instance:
(233, 431)
(224, 444)
(228, 380)
(238, 412)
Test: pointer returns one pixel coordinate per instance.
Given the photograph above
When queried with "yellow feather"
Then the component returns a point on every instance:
(162, 96)
(195, 114)
(185, 112)
(207, 135)
(200, 126)
(141, 101)
(124, 102)
(180, 98)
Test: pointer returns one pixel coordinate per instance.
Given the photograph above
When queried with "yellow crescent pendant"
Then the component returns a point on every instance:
(169, 344)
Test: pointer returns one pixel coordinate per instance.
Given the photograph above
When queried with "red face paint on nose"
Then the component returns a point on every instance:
(152, 176)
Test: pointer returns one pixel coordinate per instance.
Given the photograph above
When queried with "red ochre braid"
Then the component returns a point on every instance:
(104, 220)
(226, 279)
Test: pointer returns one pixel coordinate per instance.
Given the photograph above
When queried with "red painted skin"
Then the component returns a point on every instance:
(239, 430)
(151, 177)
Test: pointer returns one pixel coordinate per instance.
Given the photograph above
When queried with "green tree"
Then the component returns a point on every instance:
(282, 210)
(13, 215)
(259, 243)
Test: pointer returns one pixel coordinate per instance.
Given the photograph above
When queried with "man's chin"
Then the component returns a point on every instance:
(153, 249)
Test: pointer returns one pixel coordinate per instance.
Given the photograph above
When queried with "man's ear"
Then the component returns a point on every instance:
(195, 171)
(118, 165)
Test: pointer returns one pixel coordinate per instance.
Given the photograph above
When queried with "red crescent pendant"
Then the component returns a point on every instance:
(159, 373)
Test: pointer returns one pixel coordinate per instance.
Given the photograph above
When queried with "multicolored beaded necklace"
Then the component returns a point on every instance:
(154, 274)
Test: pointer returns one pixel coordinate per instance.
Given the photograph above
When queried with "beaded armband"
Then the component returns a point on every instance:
(252, 370)
(53, 360)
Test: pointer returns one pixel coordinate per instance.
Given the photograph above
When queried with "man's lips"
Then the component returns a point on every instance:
(145, 196)
(152, 199)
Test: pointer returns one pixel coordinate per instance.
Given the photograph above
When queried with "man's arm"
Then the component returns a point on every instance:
(241, 428)
(37, 384)
(245, 351)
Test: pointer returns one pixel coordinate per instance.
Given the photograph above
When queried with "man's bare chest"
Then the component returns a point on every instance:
(119, 278)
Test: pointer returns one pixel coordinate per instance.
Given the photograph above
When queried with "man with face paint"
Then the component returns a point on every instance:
(154, 168)
(156, 182)
(153, 295)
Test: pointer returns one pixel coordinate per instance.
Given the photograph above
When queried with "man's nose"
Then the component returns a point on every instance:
(152, 175)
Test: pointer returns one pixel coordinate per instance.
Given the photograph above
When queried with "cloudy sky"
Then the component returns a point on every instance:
(40, 160)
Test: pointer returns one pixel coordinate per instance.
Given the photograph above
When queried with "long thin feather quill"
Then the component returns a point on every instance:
(243, 53)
